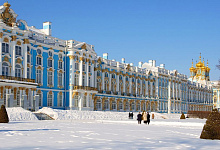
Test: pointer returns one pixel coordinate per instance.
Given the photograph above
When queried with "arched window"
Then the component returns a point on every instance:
(113, 105)
(17, 71)
(106, 105)
(106, 74)
(50, 78)
(60, 79)
(50, 100)
(98, 73)
(99, 104)
(106, 85)
(5, 69)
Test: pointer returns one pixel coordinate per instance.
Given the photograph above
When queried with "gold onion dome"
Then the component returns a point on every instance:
(6, 4)
(200, 64)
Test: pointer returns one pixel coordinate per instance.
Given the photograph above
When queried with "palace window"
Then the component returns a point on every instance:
(99, 104)
(40, 99)
(38, 75)
(113, 105)
(50, 78)
(106, 104)
(76, 100)
(89, 84)
(106, 85)
(60, 56)
(28, 73)
(76, 66)
(89, 68)
(84, 68)
(5, 48)
(17, 71)
(50, 53)
(60, 100)
(39, 61)
(84, 101)
(18, 50)
(120, 105)
(50, 63)
(28, 58)
(60, 79)
(50, 100)
(132, 106)
(5, 69)
(60, 65)
(83, 81)
(28, 49)
(106, 74)
(38, 51)
(76, 80)
(98, 73)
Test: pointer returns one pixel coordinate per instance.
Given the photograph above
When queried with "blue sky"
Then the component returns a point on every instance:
(172, 32)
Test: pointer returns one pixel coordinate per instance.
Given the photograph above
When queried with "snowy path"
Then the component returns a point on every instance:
(97, 134)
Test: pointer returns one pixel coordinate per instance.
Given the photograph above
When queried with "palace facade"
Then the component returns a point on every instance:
(38, 70)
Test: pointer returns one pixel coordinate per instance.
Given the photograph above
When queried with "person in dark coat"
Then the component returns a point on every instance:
(139, 118)
(130, 115)
(148, 118)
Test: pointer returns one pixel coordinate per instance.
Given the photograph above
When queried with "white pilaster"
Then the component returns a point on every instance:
(0, 56)
(169, 100)
(25, 60)
(13, 58)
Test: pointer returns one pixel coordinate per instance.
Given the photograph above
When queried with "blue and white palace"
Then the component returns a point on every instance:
(38, 70)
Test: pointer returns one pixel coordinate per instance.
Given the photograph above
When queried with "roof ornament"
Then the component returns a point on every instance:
(6, 16)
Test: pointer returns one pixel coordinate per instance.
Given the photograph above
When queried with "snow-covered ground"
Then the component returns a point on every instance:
(107, 133)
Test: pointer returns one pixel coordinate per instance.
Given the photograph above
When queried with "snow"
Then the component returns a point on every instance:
(103, 130)
(20, 114)
(95, 115)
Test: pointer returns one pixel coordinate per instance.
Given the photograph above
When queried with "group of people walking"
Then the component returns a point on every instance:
(144, 116)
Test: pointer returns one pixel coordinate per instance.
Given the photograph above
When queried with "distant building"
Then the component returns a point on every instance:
(216, 94)
(38, 70)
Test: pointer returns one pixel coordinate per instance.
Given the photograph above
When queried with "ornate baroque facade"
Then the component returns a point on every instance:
(37, 69)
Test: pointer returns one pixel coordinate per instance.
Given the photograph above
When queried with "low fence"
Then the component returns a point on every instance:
(198, 114)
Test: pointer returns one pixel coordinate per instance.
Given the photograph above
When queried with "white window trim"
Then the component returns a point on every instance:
(52, 99)
(52, 78)
(58, 99)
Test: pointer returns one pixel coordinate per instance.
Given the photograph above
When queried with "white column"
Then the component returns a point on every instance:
(93, 76)
(81, 71)
(71, 83)
(123, 80)
(136, 86)
(12, 46)
(146, 88)
(151, 89)
(25, 60)
(141, 87)
(103, 81)
(0, 56)
(130, 83)
(157, 89)
(110, 82)
(169, 100)
(87, 73)
(117, 82)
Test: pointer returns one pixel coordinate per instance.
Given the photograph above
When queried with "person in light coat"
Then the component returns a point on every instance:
(144, 117)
